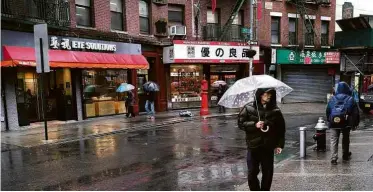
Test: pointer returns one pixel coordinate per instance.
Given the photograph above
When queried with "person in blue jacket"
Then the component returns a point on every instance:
(342, 114)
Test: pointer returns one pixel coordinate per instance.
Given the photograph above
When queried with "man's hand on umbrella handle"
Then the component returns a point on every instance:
(260, 125)
(278, 150)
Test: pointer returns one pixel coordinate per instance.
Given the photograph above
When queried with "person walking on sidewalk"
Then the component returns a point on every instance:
(221, 91)
(149, 104)
(261, 146)
(342, 114)
(129, 104)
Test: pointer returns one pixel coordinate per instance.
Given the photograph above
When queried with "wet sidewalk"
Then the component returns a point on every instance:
(75, 130)
(315, 173)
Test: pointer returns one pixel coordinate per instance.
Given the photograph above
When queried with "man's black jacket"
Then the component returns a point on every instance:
(272, 117)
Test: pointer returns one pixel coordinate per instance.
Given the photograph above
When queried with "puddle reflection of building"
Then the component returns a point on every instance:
(104, 146)
(212, 173)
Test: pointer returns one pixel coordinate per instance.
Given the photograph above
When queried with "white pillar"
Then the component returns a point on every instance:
(10, 98)
(78, 98)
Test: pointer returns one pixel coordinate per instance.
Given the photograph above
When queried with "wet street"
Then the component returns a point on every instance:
(197, 155)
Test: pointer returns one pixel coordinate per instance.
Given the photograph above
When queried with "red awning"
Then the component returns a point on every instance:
(25, 56)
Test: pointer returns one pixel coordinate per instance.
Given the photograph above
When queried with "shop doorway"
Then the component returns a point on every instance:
(143, 77)
(57, 91)
(225, 73)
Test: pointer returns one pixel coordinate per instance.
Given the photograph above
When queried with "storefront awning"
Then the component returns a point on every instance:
(25, 56)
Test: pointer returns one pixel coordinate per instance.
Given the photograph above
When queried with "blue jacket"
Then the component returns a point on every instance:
(343, 91)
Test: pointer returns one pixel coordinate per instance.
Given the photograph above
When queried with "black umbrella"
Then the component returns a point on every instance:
(150, 86)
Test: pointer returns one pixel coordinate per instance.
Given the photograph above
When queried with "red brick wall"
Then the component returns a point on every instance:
(101, 16)
(285, 8)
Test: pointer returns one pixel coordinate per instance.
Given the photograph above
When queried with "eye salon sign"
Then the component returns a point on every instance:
(67, 44)
(208, 52)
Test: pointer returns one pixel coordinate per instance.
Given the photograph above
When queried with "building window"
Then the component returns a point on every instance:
(116, 9)
(175, 15)
(292, 31)
(236, 27)
(83, 13)
(324, 33)
(213, 17)
(310, 35)
(238, 19)
(275, 30)
(212, 28)
(99, 94)
(144, 17)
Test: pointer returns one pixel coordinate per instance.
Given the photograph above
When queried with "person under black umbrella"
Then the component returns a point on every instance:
(221, 91)
(150, 88)
(149, 104)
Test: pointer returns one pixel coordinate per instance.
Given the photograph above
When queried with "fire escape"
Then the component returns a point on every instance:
(303, 9)
(56, 13)
(228, 24)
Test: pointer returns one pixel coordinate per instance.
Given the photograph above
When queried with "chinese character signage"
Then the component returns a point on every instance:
(208, 52)
(66, 44)
(284, 56)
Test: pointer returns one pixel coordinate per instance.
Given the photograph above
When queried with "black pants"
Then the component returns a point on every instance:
(334, 140)
(262, 157)
(221, 109)
(130, 111)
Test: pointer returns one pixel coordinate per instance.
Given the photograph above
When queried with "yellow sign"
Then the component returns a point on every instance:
(337, 119)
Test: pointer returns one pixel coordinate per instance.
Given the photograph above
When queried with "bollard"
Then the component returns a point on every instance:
(302, 142)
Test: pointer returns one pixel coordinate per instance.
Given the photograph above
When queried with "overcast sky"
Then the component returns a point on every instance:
(360, 7)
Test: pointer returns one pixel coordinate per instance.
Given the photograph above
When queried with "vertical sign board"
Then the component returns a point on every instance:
(41, 32)
(42, 64)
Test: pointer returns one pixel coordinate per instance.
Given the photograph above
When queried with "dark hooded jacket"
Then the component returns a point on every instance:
(343, 92)
(272, 117)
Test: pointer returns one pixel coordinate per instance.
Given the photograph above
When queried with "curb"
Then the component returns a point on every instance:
(129, 129)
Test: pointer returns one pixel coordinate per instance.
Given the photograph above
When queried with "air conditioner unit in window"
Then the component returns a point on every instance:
(178, 30)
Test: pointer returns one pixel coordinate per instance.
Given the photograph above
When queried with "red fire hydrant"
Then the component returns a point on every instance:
(204, 96)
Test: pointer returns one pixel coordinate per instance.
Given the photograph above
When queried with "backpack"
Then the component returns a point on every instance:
(340, 111)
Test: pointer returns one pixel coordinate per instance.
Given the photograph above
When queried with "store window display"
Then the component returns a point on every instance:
(225, 73)
(99, 92)
(185, 85)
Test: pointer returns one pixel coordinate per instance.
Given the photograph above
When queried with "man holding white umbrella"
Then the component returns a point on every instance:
(262, 144)
(262, 121)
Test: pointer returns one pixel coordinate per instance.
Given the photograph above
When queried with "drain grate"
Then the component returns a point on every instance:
(370, 158)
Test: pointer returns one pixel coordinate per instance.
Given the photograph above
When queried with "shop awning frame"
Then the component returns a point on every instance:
(25, 56)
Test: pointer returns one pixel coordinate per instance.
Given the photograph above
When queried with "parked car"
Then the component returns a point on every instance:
(366, 100)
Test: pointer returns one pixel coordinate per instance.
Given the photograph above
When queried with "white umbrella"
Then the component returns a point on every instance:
(243, 91)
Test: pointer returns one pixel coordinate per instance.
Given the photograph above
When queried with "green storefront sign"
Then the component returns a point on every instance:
(285, 56)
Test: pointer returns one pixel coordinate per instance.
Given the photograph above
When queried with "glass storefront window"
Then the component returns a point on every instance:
(225, 73)
(57, 94)
(142, 78)
(99, 92)
(185, 84)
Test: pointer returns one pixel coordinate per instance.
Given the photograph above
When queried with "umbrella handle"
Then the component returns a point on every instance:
(265, 130)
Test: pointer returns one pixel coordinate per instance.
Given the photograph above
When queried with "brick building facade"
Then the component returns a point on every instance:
(297, 52)
(286, 8)
(90, 21)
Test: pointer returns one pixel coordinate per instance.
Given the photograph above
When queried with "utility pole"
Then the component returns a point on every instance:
(251, 35)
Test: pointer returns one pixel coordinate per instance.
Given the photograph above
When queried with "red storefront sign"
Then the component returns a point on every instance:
(332, 57)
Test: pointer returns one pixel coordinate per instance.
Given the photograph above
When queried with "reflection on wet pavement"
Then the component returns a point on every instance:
(197, 155)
